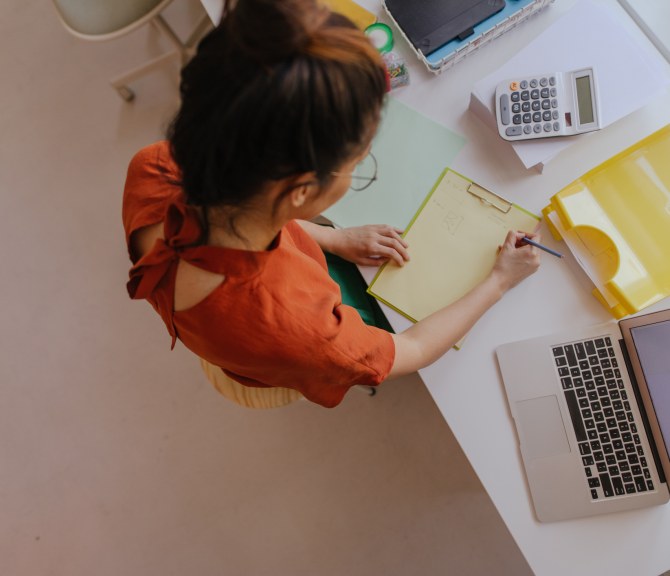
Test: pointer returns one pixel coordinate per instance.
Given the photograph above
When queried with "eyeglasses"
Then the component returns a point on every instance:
(364, 174)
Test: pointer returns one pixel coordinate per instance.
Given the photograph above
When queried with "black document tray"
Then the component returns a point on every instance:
(430, 24)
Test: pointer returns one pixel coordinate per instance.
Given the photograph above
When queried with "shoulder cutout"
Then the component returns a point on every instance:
(193, 284)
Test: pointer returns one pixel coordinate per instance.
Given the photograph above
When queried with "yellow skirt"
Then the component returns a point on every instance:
(248, 396)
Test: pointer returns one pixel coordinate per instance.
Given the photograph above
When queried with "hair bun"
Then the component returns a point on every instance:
(271, 30)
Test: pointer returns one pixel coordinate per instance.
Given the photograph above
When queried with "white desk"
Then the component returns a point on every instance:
(466, 385)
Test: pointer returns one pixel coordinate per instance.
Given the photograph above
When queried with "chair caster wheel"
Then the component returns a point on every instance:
(126, 93)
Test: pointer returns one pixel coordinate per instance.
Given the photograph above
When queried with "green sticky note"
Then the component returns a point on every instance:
(412, 151)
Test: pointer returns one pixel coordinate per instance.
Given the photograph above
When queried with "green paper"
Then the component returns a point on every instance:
(411, 151)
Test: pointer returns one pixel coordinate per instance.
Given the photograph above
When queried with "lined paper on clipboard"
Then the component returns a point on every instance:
(453, 240)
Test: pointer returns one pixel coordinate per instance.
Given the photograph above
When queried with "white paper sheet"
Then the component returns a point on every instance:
(628, 74)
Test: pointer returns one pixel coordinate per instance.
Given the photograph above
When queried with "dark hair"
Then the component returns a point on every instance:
(279, 88)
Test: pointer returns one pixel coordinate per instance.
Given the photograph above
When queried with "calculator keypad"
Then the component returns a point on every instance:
(533, 109)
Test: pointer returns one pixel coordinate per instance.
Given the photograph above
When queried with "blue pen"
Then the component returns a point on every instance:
(537, 245)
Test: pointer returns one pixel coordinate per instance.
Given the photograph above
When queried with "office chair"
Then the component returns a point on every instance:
(100, 20)
(246, 395)
(250, 397)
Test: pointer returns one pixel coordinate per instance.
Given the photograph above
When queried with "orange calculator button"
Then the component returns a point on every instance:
(513, 85)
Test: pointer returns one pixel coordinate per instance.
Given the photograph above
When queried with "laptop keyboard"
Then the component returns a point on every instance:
(615, 463)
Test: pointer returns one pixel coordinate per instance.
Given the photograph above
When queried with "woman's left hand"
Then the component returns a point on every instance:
(370, 245)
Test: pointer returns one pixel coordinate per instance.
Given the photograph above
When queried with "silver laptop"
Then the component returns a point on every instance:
(592, 413)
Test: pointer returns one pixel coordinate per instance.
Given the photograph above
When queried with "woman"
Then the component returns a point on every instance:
(279, 106)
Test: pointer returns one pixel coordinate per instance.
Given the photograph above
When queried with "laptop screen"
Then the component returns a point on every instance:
(652, 343)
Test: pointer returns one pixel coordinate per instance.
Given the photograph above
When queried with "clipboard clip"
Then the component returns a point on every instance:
(489, 198)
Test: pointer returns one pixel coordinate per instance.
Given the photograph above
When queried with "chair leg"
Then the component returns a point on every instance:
(204, 25)
(184, 51)
(160, 23)
(126, 93)
(120, 82)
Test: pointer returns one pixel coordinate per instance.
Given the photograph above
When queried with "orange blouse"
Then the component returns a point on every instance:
(276, 320)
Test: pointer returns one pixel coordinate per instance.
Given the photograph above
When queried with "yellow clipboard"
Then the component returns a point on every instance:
(453, 241)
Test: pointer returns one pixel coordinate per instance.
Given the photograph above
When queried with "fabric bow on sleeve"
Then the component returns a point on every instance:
(153, 275)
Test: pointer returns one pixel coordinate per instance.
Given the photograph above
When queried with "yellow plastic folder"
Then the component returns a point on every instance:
(453, 239)
(616, 221)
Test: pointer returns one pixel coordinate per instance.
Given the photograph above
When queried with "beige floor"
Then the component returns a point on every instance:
(116, 457)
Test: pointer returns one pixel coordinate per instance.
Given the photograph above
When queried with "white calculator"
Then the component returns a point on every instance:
(548, 105)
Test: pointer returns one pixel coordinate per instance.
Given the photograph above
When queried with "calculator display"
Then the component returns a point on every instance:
(584, 99)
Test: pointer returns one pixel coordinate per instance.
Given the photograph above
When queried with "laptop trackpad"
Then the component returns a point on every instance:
(541, 427)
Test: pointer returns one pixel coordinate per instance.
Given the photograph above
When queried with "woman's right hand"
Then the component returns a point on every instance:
(424, 342)
(516, 260)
